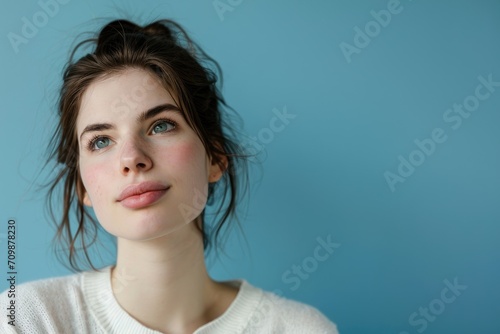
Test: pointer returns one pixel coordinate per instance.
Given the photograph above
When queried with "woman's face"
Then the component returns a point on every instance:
(145, 171)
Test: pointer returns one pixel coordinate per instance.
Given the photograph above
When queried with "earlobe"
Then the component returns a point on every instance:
(86, 200)
(215, 170)
(83, 196)
(215, 175)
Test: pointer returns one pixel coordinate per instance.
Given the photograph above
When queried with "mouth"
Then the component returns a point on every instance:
(142, 195)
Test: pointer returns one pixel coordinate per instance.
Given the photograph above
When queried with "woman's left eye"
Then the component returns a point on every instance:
(163, 126)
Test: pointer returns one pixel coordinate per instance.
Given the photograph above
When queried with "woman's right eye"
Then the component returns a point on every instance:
(98, 143)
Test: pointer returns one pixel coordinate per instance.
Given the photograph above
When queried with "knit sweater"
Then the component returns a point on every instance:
(84, 303)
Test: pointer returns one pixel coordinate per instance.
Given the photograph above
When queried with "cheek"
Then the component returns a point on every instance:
(186, 158)
(93, 177)
(187, 166)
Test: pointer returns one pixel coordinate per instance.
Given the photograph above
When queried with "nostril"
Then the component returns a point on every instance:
(141, 165)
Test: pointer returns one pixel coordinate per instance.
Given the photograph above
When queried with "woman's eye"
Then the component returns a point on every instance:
(99, 143)
(162, 126)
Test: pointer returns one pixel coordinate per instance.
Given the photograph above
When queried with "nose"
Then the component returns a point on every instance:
(134, 158)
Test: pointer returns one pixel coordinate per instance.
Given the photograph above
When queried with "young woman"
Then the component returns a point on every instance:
(144, 143)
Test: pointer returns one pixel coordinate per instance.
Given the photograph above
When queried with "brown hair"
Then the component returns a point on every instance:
(190, 75)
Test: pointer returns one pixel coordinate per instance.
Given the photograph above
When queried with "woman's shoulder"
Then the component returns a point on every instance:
(274, 313)
(43, 304)
(40, 288)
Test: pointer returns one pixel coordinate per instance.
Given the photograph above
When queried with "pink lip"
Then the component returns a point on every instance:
(142, 194)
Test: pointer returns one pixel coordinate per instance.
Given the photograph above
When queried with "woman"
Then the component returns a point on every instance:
(142, 141)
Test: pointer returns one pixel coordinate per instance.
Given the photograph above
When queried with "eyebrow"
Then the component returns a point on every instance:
(156, 110)
(150, 113)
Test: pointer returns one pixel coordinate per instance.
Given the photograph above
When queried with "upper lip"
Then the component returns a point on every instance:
(141, 188)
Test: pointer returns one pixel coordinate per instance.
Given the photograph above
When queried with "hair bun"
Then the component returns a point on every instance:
(114, 33)
(158, 29)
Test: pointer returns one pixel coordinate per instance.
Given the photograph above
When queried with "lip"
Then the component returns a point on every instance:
(141, 195)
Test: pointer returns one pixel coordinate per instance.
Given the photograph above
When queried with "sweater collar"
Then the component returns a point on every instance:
(112, 318)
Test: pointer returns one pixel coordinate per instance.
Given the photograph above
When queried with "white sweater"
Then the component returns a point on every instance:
(84, 303)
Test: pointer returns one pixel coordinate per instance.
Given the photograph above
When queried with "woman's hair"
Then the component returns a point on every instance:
(165, 50)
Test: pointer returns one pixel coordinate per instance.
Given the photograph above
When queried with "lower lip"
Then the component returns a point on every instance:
(143, 200)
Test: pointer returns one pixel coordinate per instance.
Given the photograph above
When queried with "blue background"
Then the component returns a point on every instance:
(323, 174)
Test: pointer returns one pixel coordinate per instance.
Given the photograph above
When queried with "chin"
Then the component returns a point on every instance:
(147, 229)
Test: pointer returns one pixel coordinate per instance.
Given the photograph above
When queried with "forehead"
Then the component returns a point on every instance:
(121, 95)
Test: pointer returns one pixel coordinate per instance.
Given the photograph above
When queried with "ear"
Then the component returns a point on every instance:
(217, 169)
(86, 200)
(82, 194)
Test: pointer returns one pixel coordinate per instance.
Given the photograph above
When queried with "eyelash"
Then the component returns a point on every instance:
(91, 142)
(166, 120)
(94, 139)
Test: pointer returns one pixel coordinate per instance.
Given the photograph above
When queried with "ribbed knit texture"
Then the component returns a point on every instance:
(84, 303)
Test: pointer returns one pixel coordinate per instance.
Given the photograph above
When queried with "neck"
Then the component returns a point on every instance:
(164, 284)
